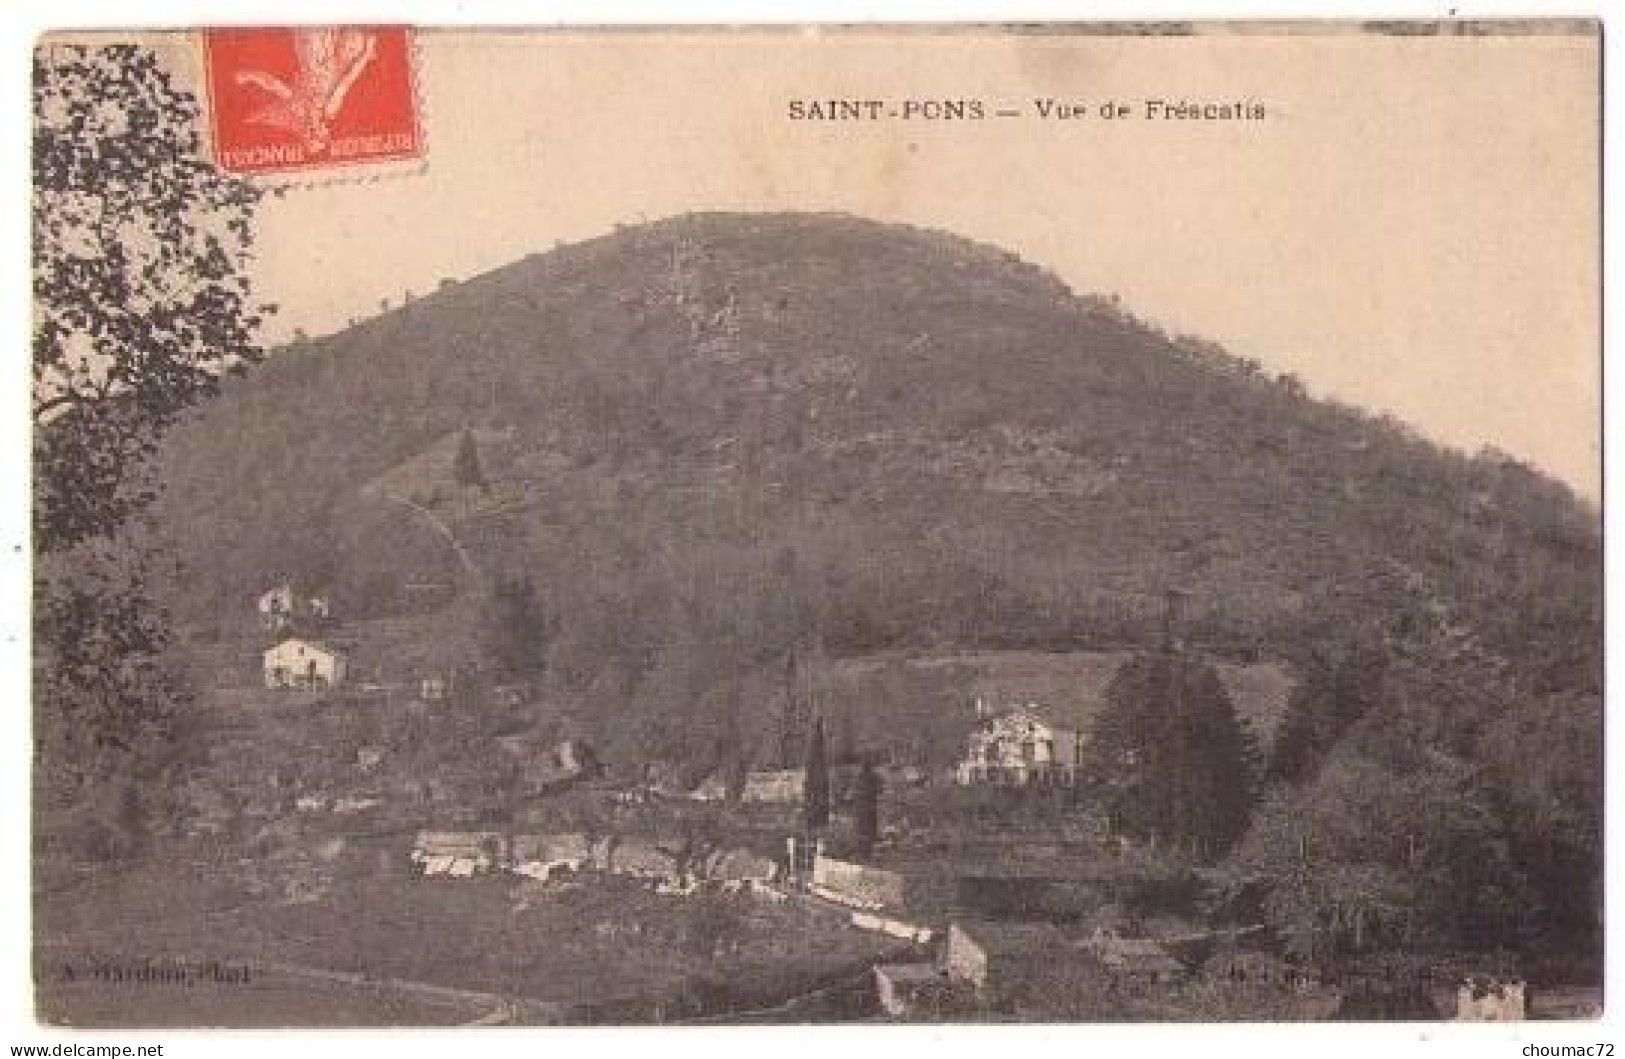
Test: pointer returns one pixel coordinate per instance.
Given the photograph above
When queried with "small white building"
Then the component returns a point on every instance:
(460, 853)
(275, 607)
(304, 664)
(775, 787)
(280, 607)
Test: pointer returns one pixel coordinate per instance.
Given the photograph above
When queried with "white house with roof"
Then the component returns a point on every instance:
(1022, 746)
(304, 664)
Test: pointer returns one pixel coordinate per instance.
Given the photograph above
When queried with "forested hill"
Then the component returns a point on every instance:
(766, 429)
(794, 426)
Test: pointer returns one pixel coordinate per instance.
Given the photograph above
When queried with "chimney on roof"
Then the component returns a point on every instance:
(981, 708)
(1173, 619)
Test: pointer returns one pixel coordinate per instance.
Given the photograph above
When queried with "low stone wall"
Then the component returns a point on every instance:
(896, 928)
(861, 885)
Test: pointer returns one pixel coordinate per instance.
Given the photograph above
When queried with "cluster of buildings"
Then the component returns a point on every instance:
(1021, 743)
(281, 608)
(1053, 971)
(305, 657)
(980, 959)
(300, 659)
(1048, 970)
(991, 965)
(573, 855)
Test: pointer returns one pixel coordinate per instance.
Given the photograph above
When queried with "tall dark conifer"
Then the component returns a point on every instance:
(792, 735)
(1169, 760)
(517, 629)
(817, 791)
(1335, 690)
(866, 812)
(465, 466)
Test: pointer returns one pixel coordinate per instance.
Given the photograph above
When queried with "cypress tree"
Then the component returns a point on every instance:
(516, 629)
(846, 740)
(817, 790)
(866, 824)
(465, 466)
(1302, 738)
(1169, 760)
(791, 742)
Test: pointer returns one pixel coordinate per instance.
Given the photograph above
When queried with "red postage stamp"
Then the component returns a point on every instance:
(295, 98)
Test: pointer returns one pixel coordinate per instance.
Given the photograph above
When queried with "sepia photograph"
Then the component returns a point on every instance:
(1061, 523)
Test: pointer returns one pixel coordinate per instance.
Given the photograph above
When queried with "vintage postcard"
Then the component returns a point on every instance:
(1081, 523)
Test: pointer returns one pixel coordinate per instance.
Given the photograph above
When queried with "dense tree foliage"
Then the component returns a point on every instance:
(141, 304)
(109, 701)
(141, 297)
(1459, 809)
(1168, 759)
(1543, 777)
(1375, 854)
(1336, 686)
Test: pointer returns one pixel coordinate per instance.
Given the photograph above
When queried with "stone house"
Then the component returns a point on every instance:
(549, 857)
(714, 788)
(1142, 960)
(907, 988)
(775, 787)
(305, 664)
(743, 866)
(640, 859)
(460, 853)
(991, 955)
